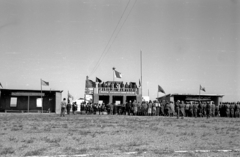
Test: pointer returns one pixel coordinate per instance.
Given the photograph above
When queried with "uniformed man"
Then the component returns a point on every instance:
(204, 109)
(232, 107)
(217, 110)
(228, 109)
(195, 108)
(213, 109)
(208, 109)
(191, 109)
(200, 109)
(177, 106)
(187, 109)
(237, 112)
(182, 108)
(63, 107)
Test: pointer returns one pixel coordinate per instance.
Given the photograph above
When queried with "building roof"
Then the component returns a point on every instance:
(177, 94)
(33, 90)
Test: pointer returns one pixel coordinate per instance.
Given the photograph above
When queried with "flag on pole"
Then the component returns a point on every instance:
(90, 84)
(70, 96)
(202, 88)
(160, 89)
(1, 85)
(98, 80)
(44, 83)
(117, 74)
(140, 85)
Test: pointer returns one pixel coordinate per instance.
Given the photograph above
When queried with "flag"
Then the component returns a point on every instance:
(140, 85)
(160, 89)
(98, 80)
(44, 83)
(202, 88)
(117, 74)
(90, 84)
(1, 85)
(70, 96)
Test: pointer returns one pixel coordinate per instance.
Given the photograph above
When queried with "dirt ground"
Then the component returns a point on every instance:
(116, 135)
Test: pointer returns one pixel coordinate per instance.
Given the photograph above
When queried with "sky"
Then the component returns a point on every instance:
(184, 44)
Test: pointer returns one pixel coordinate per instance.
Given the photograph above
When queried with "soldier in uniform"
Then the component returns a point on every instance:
(195, 108)
(200, 109)
(187, 109)
(191, 109)
(227, 109)
(217, 110)
(157, 108)
(213, 109)
(237, 111)
(182, 109)
(208, 109)
(177, 106)
(232, 107)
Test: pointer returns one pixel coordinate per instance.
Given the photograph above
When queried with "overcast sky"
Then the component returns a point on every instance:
(184, 43)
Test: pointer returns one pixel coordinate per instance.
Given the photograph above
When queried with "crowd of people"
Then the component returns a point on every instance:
(67, 107)
(167, 108)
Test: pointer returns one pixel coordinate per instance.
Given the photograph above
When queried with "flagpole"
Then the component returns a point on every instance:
(199, 93)
(113, 73)
(41, 94)
(141, 71)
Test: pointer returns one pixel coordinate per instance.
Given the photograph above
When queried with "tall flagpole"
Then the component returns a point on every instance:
(199, 93)
(41, 94)
(113, 72)
(141, 71)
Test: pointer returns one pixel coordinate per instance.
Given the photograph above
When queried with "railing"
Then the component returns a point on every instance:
(118, 90)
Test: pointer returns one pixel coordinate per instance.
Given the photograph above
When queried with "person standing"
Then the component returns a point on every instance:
(135, 108)
(200, 109)
(74, 107)
(195, 107)
(227, 109)
(232, 107)
(68, 108)
(157, 108)
(63, 107)
(208, 109)
(154, 109)
(182, 109)
(150, 108)
(187, 109)
(213, 109)
(177, 105)
(237, 112)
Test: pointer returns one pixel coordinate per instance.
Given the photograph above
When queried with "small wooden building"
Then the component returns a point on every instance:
(216, 98)
(24, 100)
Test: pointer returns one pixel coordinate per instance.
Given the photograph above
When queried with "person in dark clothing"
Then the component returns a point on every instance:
(177, 105)
(208, 108)
(68, 108)
(182, 109)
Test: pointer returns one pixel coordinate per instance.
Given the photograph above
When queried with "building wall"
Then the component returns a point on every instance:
(58, 98)
(26, 103)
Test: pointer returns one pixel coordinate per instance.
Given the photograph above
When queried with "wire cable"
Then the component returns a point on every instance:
(107, 47)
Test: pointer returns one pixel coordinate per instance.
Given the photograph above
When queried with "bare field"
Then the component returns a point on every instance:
(106, 135)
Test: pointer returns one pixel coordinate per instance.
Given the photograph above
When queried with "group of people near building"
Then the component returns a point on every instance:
(155, 108)
(167, 108)
(67, 107)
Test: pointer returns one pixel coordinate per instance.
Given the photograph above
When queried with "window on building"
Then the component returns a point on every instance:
(39, 102)
(13, 102)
